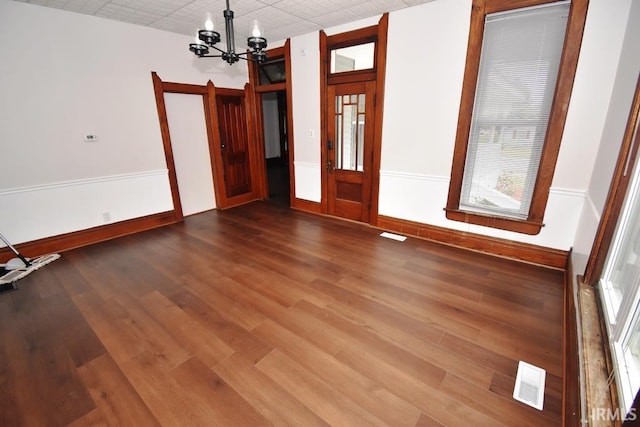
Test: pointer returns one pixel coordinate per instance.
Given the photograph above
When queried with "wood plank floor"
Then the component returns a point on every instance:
(265, 316)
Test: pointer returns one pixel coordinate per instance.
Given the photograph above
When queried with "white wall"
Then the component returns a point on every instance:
(617, 113)
(270, 118)
(190, 147)
(65, 75)
(305, 76)
(422, 96)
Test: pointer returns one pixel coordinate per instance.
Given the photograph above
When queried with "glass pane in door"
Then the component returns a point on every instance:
(350, 119)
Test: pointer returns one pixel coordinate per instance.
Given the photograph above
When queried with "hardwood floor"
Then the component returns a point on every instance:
(262, 315)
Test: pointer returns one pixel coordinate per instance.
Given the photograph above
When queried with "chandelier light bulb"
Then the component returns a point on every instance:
(208, 24)
(256, 31)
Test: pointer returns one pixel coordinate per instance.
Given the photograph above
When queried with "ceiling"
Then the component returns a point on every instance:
(280, 18)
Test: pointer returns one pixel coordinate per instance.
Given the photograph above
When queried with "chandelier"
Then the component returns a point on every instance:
(209, 37)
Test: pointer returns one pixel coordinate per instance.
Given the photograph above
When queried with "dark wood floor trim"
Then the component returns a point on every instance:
(306, 206)
(89, 236)
(547, 257)
(570, 364)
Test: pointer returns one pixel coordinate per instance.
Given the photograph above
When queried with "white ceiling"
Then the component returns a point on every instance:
(280, 18)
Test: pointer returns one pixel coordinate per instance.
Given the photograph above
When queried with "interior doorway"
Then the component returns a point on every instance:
(271, 83)
(276, 146)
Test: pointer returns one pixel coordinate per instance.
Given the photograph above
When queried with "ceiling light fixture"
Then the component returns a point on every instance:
(209, 37)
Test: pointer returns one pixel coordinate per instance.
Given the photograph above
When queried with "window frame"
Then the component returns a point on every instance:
(555, 127)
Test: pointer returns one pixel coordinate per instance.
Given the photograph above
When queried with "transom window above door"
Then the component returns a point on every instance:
(353, 58)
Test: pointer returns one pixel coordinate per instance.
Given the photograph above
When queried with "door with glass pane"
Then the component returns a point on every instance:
(349, 149)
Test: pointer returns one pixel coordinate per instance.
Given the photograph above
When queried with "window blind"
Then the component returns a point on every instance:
(519, 63)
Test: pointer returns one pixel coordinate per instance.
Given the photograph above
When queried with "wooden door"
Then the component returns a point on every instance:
(233, 146)
(349, 149)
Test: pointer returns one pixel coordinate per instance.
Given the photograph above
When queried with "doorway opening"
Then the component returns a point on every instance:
(276, 146)
(271, 82)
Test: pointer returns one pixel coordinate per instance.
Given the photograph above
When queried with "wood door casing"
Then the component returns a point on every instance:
(350, 127)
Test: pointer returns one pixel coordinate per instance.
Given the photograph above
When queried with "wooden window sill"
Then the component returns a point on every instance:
(598, 391)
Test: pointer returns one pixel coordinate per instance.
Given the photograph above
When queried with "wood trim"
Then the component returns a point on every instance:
(555, 128)
(474, 47)
(571, 410)
(190, 89)
(307, 206)
(559, 108)
(381, 69)
(617, 192)
(276, 87)
(323, 122)
(276, 52)
(351, 76)
(158, 90)
(260, 164)
(76, 239)
(255, 145)
(351, 38)
(470, 81)
(493, 6)
(225, 91)
(289, 83)
(517, 225)
(533, 254)
(217, 171)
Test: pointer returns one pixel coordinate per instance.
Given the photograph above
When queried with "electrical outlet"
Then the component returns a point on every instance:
(106, 216)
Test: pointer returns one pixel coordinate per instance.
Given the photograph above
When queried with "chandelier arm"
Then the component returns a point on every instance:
(218, 49)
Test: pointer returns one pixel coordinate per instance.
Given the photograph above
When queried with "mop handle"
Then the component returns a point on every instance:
(15, 251)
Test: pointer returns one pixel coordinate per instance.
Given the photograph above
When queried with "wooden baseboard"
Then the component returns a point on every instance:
(547, 257)
(80, 238)
(306, 206)
(571, 411)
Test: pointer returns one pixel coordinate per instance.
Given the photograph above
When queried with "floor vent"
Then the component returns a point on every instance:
(394, 236)
(529, 386)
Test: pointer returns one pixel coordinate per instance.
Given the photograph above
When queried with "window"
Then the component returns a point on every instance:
(618, 245)
(620, 292)
(272, 71)
(353, 58)
(518, 76)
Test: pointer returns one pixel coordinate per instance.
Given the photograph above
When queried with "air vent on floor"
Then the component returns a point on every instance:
(394, 236)
(529, 386)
